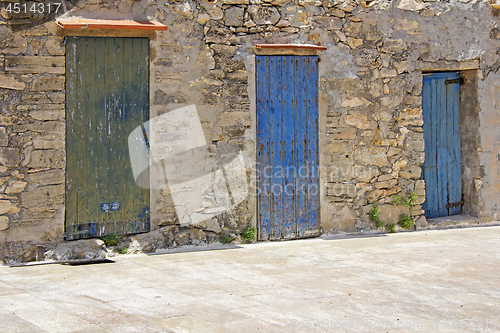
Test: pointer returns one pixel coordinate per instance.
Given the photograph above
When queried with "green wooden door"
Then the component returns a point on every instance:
(107, 97)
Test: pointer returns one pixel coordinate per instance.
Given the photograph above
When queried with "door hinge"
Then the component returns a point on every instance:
(459, 81)
(454, 204)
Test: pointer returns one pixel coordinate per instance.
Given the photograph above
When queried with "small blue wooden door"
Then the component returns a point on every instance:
(287, 146)
(442, 166)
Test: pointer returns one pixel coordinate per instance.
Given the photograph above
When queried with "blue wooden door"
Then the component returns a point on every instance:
(287, 146)
(107, 97)
(442, 166)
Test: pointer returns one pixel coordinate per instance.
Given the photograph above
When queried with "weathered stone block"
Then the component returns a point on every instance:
(203, 18)
(290, 30)
(44, 178)
(393, 190)
(391, 214)
(384, 73)
(45, 127)
(340, 170)
(234, 119)
(80, 249)
(236, 2)
(371, 156)
(341, 190)
(215, 12)
(410, 172)
(386, 184)
(420, 185)
(48, 83)
(234, 16)
(355, 102)
(35, 65)
(263, 15)
(385, 177)
(421, 222)
(402, 66)
(55, 114)
(343, 133)
(348, 6)
(47, 159)
(358, 120)
(184, 9)
(9, 156)
(16, 44)
(420, 200)
(354, 42)
(237, 75)
(391, 102)
(420, 192)
(225, 50)
(162, 98)
(10, 82)
(51, 141)
(393, 46)
(366, 173)
(394, 151)
(338, 147)
(4, 223)
(376, 195)
(209, 225)
(410, 117)
(396, 167)
(7, 207)
(55, 46)
(341, 217)
(417, 210)
(15, 186)
(327, 22)
(43, 198)
(414, 142)
(4, 138)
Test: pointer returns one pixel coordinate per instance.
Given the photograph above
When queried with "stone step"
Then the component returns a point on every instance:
(458, 221)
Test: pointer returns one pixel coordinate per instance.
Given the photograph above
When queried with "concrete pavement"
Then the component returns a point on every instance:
(428, 281)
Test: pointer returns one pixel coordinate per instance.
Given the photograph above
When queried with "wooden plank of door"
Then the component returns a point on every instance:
(91, 132)
(101, 129)
(109, 131)
(455, 172)
(71, 215)
(434, 129)
(144, 68)
(81, 128)
(276, 135)
(433, 116)
(442, 149)
(287, 109)
(263, 145)
(312, 141)
(118, 137)
(301, 137)
(145, 117)
(129, 126)
(141, 60)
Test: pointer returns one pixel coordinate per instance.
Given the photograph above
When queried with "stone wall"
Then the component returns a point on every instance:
(371, 140)
(32, 152)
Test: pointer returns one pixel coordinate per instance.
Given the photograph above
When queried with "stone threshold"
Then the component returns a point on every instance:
(458, 221)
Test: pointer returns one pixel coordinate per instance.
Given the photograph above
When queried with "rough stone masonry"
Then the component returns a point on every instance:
(370, 109)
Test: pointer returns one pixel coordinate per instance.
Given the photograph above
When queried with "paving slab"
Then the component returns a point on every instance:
(427, 281)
